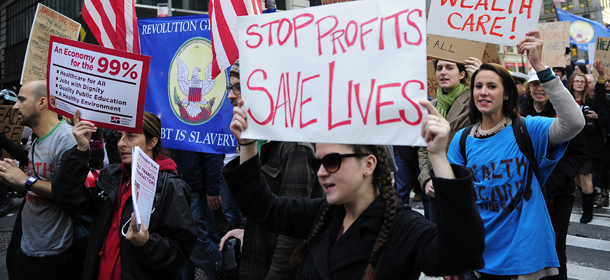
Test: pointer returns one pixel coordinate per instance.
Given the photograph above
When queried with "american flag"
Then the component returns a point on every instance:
(223, 17)
(113, 23)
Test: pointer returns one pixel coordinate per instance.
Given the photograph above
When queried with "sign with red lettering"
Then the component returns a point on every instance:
(349, 73)
(556, 37)
(106, 85)
(500, 22)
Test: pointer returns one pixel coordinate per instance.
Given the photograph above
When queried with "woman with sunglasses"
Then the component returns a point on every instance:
(360, 231)
(519, 234)
(592, 107)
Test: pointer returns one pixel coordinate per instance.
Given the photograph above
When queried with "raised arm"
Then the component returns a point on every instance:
(570, 120)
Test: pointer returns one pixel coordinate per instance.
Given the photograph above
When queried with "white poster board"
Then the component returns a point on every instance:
(498, 22)
(349, 73)
(144, 172)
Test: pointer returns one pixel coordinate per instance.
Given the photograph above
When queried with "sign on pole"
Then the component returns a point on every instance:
(497, 22)
(106, 85)
(452, 49)
(556, 37)
(47, 22)
(602, 52)
(349, 73)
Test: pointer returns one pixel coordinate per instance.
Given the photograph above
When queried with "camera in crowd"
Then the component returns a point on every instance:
(589, 125)
(228, 267)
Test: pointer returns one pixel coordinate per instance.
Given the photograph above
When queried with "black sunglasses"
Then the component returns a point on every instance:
(331, 162)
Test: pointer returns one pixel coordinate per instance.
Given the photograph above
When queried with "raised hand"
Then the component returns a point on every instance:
(82, 131)
(531, 45)
(472, 64)
(599, 66)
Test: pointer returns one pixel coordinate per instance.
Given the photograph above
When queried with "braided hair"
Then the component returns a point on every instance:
(381, 182)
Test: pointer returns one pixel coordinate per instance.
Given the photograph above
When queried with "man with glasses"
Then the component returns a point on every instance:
(266, 255)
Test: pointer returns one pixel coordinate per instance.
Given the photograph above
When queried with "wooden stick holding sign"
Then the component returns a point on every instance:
(347, 73)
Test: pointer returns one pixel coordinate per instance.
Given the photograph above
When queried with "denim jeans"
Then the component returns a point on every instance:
(205, 253)
(406, 176)
(229, 206)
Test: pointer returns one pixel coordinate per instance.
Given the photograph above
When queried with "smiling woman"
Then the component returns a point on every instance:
(508, 186)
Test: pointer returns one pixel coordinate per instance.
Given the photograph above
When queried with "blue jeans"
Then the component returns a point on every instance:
(229, 206)
(205, 253)
(406, 175)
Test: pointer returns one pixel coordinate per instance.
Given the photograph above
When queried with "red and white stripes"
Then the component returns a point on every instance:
(113, 23)
(223, 17)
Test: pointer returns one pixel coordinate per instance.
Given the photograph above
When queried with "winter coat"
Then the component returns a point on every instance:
(457, 116)
(414, 244)
(172, 233)
(595, 138)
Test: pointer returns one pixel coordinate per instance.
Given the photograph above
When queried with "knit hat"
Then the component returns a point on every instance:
(235, 69)
(581, 64)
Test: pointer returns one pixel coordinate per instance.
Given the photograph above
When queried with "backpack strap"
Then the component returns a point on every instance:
(527, 148)
(465, 134)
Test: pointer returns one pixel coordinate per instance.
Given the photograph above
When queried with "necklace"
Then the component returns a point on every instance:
(486, 133)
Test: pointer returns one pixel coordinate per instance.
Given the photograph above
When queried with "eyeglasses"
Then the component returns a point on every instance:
(331, 162)
(236, 89)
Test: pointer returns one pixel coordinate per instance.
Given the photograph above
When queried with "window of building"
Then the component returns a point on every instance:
(549, 6)
(588, 2)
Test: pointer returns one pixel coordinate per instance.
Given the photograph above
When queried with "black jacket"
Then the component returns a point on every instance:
(453, 246)
(172, 232)
(561, 180)
(595, 137)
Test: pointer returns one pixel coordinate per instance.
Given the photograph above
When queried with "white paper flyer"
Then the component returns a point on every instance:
(144, 173)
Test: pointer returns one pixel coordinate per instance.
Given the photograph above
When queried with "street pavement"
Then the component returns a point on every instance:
(588, 244)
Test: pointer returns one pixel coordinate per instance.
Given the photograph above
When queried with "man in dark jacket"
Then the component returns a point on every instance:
(266, 255)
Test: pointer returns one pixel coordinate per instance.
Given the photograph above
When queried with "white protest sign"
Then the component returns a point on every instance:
(106, 85)
(349, 73)
(494, 21)
(144, 173)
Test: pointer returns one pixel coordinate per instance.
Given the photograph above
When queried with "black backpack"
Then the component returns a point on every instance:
(525, 146)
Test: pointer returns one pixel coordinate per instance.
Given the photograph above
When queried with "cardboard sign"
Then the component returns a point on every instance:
(556, 37)
(452, 49)
(494, 21)
(46, 23)
(349, 73)
(106, 85)
(602, 52)
(432, 81)
(9, 126)
(490, 54)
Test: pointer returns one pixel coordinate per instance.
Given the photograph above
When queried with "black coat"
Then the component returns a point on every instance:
(561, 180)
(595, 138)
(172, 233)
(453, 246)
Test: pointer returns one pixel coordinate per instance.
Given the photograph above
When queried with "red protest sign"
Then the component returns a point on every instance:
(106, 85)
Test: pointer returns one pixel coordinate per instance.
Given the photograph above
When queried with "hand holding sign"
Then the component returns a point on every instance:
(532, 44)
(82, 131)
(239, 122)
(472, 64)
(599, 66)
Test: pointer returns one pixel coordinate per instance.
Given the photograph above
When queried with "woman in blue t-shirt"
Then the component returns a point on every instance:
(519, 237)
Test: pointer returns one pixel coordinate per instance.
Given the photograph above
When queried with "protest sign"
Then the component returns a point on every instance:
(556, 37)
(9, 126)
(497, 22)
(144, 173)
(432, 81)
(106, 85)
(602, 52)
(490, 54)
(349, 73)
(47, 22)
(452, 49)
(194, 109)
(325, 2)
